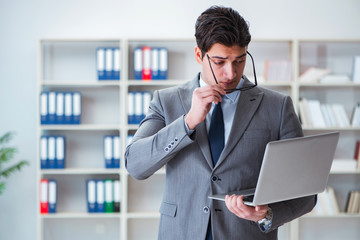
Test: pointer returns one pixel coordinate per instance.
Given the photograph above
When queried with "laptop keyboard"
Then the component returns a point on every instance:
(248, 198)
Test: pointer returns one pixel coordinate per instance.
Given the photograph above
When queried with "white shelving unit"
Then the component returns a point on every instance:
(66, 65)
(70, 65)
(336, 55)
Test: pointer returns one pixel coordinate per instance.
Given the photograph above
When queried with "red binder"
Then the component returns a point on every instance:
(44, 196)
(357, 150)
(146, 73)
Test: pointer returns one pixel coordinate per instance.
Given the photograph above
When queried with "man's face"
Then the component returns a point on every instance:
(228, 64)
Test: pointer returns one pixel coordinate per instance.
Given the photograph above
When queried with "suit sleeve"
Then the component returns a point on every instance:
(287, 211)
(156, 141)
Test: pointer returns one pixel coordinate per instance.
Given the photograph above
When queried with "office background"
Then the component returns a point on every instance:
(23, 23)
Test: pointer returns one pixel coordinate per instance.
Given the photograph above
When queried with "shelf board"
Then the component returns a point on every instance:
(333, 85)
(161, 171)
(168, 39)
(81, 127)
(141, 215)
(79, 171)
(354, 171)
(132, 126)
(275, 84)
(168, 82)
(77, 40)
(334, 216)
(328, 40)
(331, 128)
(77, 83)
(67, 215)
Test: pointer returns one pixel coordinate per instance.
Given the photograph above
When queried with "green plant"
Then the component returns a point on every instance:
(6, 155)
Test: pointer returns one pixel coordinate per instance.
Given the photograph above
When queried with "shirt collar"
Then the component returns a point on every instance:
(231, 96)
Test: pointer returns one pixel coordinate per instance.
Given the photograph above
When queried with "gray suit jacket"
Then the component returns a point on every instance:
(261, 116)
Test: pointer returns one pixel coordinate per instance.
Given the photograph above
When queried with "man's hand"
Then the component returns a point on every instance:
(236, 205)
(201, 103)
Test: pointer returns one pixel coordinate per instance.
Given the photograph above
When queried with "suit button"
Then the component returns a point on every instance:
(214, 178)
(206, 209)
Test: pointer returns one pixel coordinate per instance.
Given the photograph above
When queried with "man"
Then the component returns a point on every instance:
(202, 159)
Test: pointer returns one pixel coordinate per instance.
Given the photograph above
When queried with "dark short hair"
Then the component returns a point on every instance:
(221, 25)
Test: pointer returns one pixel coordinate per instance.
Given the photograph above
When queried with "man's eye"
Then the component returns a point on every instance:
(218, 62)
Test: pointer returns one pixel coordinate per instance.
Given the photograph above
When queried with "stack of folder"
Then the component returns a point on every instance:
(103, 196)
(112, 151)
(52, 152)
(316, 114)
(277, 70)
(150, 63)
(138, 104)
(60, 107)
(353, 202)
(108, 63)
(48, 196)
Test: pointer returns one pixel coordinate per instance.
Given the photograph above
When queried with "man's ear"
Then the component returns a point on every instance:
(198, 55)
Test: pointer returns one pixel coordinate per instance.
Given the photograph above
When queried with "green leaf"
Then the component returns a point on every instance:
(6, 137)
(6, 154)
(2, 187)
(7, 172)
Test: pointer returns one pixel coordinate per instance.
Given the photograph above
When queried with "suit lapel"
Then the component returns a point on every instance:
(185, 95)
(248, 103)
(203, 141)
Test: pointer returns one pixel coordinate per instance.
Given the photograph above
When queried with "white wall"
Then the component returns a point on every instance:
(23, 22)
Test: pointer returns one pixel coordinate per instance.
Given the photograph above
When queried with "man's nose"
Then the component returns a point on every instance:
(230, 71)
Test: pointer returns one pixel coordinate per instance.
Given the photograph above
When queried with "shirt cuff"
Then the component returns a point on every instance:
(188, 131)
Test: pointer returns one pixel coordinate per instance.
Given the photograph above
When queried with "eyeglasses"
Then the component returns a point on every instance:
(237, 89)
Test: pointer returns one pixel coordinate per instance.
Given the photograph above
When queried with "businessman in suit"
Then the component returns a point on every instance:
(211, 134)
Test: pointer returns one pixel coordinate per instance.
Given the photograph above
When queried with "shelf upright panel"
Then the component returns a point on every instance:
(124, 132)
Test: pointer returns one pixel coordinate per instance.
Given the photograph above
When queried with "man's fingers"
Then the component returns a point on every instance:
(236, 205)
(206, 91)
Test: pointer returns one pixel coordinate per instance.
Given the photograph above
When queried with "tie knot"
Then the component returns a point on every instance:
(217, 114)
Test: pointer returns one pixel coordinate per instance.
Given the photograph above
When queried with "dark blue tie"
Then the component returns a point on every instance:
(216, 133)
(217, 142)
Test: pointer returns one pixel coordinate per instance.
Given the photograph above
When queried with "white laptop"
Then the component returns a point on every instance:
(291, 168)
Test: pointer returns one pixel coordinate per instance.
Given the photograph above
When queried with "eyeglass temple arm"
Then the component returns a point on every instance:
(252, 60)
(212, 71)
